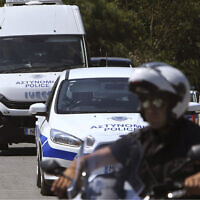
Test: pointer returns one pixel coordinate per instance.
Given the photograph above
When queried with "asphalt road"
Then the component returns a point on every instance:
(18, 173)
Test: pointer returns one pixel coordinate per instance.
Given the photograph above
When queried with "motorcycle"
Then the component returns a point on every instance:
(106, 183)
(98, 184)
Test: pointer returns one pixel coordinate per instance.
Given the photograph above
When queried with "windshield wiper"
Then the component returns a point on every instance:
(64, 66)
(19, 69)
(43, 67)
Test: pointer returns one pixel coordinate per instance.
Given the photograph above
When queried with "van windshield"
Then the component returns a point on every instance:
(41, 53)
(96, 95)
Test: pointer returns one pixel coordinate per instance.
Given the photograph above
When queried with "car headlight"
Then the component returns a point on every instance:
(60, 137)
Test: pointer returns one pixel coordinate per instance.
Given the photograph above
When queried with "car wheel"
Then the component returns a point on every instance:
(45, 187)
(38, 180)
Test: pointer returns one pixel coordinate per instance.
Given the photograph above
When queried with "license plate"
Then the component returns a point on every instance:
(29, 131)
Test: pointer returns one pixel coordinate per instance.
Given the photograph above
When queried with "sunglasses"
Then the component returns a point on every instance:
(156, 102)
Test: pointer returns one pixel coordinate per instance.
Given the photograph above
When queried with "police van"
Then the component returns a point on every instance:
(38, 40)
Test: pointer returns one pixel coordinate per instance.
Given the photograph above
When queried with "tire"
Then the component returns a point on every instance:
(38, 173)
(38, 179)
(45, 187)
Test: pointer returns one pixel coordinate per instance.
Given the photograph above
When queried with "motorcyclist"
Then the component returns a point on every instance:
(149, 153)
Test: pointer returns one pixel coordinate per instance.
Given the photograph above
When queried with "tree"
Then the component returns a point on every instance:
(146, 30)
(2, 3)
(110, 30)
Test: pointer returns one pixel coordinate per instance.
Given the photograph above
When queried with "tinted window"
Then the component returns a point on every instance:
(100, 95)
(103, 62)
(119, 63)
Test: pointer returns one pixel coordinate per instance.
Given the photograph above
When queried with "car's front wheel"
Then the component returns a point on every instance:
(38, 180)
(38, 177)
(45, 188)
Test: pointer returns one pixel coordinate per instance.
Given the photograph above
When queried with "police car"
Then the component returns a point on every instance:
(85, 102)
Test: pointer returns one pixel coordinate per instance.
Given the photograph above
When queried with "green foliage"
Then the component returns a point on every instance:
(2, 3)
(145, 30)
(109, 28)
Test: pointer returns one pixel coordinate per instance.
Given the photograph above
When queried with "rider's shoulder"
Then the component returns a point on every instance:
(189, 130)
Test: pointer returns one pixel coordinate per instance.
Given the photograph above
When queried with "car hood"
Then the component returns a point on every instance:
(27, 87)
(111, 125)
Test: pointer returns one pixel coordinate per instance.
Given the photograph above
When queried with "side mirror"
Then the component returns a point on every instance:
(194, 152)
(38, 109)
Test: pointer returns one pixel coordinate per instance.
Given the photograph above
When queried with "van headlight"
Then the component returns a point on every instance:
(63, 138)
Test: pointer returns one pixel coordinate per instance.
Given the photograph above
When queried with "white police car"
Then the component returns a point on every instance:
(87, 102)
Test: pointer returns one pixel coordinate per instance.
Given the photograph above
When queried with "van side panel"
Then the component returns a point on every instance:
(40, 20)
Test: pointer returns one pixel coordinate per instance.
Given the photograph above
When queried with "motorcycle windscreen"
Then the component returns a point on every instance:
(111, 176)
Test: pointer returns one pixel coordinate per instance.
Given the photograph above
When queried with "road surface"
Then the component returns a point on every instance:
(18, 173)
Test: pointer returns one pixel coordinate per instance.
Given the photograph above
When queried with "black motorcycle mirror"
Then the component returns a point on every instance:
(52, 167)
(193, 154)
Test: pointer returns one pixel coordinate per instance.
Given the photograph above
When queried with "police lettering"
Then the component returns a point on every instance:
(118, 127)
(36, 84)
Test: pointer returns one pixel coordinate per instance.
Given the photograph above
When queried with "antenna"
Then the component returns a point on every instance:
(106, 59)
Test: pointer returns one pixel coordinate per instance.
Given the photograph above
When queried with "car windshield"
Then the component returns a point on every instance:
(96, 95)
(41, 53)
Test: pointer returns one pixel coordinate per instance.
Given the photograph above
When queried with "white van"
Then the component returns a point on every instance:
(38, 39)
